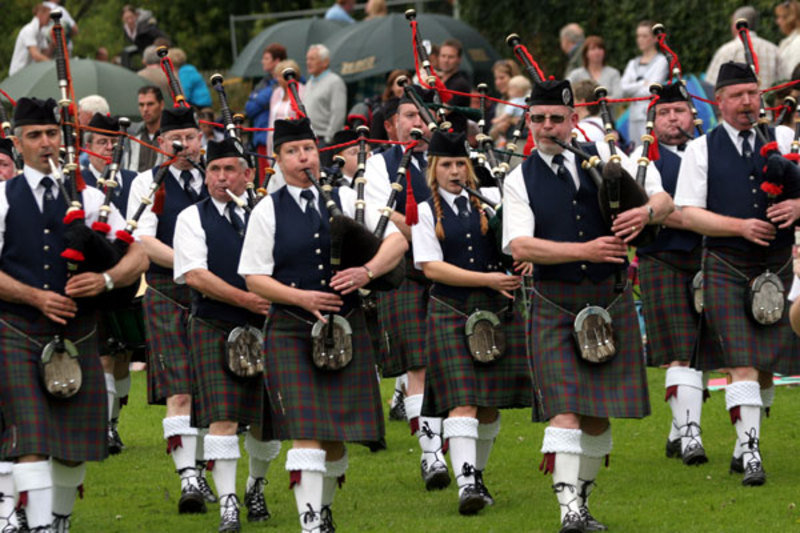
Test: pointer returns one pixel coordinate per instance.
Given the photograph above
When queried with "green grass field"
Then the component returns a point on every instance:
(641, 491)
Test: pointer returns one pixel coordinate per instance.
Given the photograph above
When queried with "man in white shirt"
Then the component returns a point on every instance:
(30, 44)
(721, 187)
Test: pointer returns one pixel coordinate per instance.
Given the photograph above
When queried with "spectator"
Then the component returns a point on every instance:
(787, 17)
(257, 107)
(452, 77)
(595, 68)
(768, 58)
(518, 88)
(140, 27)
(87, 107)
(151, 104)
(30, 45)
(326, 94)
(7, 168)
(640, 72)
(503, 71)
(101, 54)
(376, 9)
(590, 128)
(280, 105)
(69, 24)
(341, 10)
(152, 71)
(571, 40)
(194, 86)
(392, 90)
(208, 132)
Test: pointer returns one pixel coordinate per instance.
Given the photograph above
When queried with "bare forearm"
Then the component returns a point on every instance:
(273, 290)
(158, 252)
(400, 221)
(545, 252)
(794, 316)
(129, 269)
(711, 224)
(662, 207)
(449, 274)
(215, 287)
(389, 254)
(16, 292)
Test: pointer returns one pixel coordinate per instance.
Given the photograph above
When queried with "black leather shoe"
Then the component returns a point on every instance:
(113, 446)
(435, 476)
(471, 500)
(487, 497)
(326, 517)
(754, 475)
(590, 523)
(192, 500)
(572, 523)
(203, 485)
(694, 454)
(737, 465)
(673, 448)
(229, 516)
(257, 510)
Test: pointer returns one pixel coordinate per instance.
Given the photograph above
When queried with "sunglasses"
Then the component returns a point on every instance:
(555, 119)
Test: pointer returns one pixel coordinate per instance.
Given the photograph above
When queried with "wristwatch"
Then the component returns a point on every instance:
(650, 213)
(109, 281)
(370, 274)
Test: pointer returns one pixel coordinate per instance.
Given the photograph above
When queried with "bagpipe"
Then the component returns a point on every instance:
(431, 80)
(7, 133)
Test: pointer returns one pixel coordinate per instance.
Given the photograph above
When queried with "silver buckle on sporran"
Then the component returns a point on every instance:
(697, 291)
(61, 368)
(332, 343)
(766, 298)
(485, 336)
(243, 352)
(594, 334)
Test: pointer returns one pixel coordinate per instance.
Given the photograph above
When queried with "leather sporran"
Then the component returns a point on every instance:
(594, 333)
(244, 352)
(332, 343)
(61, 368)
(485, 336)
(765, 298)
(696, 288)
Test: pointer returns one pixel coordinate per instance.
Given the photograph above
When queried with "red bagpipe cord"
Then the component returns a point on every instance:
(673, 61)
(444, 94)
(293, 100)
(752, 50)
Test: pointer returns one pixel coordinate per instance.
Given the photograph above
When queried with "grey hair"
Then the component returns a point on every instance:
(748, 13)
(150, 56)
(322, 50)
(572, 32)
(94, 103)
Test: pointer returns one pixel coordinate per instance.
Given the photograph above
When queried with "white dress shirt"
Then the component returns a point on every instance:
(92, 200)
(426, 244)
(692, 188)
(259, 240)
(148, 223)
(379, 183)
(191, 250)
(518, 218)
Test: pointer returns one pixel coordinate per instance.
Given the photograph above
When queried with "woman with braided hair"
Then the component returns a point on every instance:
(467, 380)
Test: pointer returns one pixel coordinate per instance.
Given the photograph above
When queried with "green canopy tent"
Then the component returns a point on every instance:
(116, 84)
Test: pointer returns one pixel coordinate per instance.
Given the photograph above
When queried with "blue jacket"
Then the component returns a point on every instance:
(257, 108)
(194, 87)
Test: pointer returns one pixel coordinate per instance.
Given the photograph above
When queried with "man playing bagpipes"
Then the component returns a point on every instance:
(166, 304)
(586, 348)
(225, 332)
(48, 325)
(737, 190)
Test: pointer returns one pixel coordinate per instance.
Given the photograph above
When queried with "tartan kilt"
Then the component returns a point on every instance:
(308, 403)
(453, 378)
(166, 324)
(565, 382)
(743, 342)
(220, 396)
(401, 314)
(671, 321)
(72, 429)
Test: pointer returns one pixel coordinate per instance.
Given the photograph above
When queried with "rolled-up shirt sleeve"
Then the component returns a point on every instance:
(423, 237)
(692, 187)
(518, 219)
(191, 250)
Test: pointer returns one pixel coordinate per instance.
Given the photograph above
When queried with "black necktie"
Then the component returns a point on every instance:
(682, 147)
(463, 212)
(311, 210)
(186, 177)
(420, 158)
(49, 207)
(236, 220)
(562, 172)
(747, 150)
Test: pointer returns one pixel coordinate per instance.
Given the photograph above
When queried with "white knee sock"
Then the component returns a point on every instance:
(686, 405)
(8, 516)
(309, 467)
(487, 433)
(334, 472)
(261, 454)
(566, 445)
(66, 480)
(594, 448)
(36, 479)
(111, 392)
(224, 451)
(183, 438)
(745, 396)
(462, 433)
(428, 430)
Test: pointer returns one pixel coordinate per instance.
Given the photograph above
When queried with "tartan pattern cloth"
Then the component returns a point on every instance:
(220, 396)
(669, 315)
(743, 342)
(453, 378)
(308, 403)
(568, 384)
(72, 429)
(401, 314)
(166, 324)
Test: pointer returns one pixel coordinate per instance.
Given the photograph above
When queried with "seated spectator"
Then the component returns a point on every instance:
(140, 27)
(518, 88)
(30, 46)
